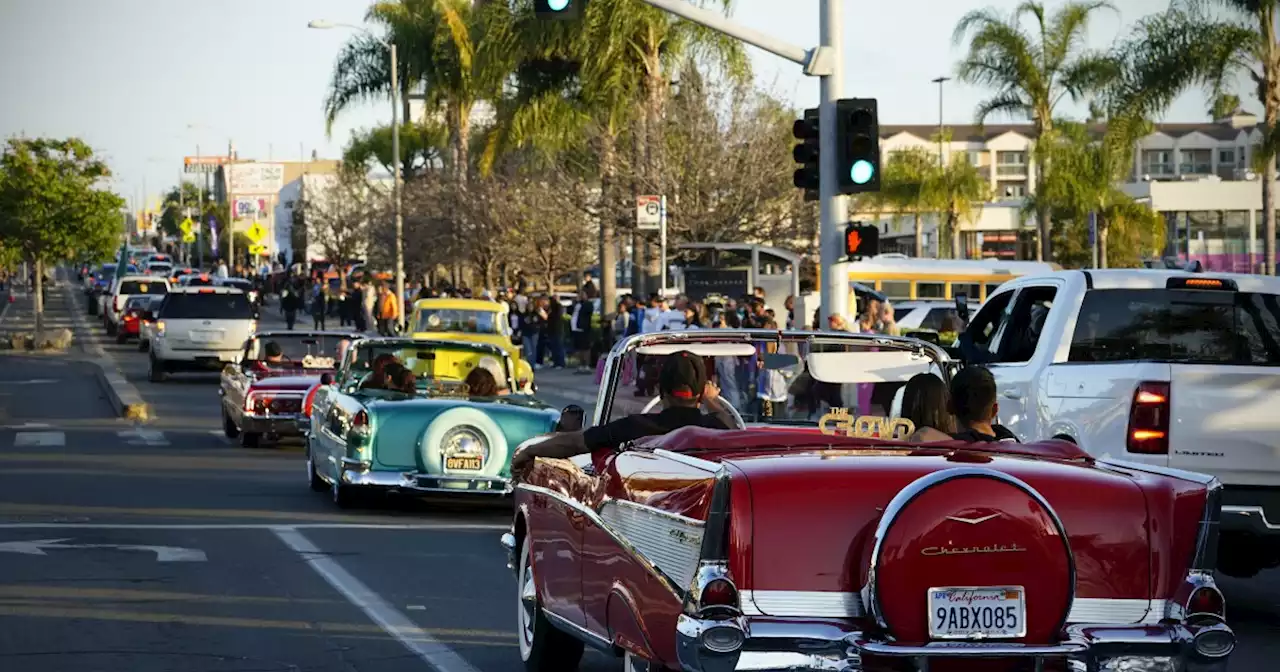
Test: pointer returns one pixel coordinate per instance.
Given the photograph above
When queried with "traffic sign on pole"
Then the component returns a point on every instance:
(256, 232)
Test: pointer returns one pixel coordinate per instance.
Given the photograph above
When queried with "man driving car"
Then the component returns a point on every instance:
(274, 353)
(683, 386)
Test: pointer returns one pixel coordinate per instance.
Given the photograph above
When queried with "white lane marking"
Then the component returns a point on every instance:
(163, 553)
(33, 381)
(415, 607)
(143, 437)
(47, 439)
(433, 652)
(30, 425)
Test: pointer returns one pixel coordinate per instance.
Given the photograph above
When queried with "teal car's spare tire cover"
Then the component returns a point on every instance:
(496, 457)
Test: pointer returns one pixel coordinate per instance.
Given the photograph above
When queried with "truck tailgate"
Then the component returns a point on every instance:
(1225, 421)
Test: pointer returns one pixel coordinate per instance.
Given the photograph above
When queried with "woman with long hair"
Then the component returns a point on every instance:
(926, 403)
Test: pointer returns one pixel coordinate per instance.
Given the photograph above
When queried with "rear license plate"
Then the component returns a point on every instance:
(977, 613)
(205, 336)
(464, 463)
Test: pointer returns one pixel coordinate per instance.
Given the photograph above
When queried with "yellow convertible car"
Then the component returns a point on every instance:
(472, 321)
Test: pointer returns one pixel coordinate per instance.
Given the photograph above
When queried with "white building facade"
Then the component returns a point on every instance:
(1199, 175)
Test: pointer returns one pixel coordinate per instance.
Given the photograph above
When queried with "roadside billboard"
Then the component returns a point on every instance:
(247, 179)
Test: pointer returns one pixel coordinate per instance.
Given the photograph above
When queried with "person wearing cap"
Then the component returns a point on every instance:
(274, 353)
(684, 387)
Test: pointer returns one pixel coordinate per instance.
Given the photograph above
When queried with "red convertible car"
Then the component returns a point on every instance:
(809, 538)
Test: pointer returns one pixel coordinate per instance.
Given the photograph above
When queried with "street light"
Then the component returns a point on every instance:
(939, 81)
(395, 150)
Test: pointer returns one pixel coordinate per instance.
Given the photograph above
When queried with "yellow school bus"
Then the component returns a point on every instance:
(903, 278)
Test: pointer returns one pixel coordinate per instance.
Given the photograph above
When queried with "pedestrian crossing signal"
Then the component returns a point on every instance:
(557, 9)
(861, 240)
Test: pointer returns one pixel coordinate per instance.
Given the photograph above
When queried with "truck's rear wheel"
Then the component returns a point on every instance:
(543, 648)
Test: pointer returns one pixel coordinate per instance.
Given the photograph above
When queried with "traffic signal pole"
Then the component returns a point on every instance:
(825, 62)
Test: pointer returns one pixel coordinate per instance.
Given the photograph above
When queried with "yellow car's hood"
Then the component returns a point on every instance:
(490, 339)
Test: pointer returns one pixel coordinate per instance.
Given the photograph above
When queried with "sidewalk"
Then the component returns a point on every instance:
(19, 317)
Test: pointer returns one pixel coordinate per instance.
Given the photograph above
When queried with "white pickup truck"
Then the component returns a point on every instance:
(1167, 368)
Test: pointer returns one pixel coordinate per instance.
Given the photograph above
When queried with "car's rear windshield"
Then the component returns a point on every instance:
(220, 306)
(1178, 325)
(130, 287)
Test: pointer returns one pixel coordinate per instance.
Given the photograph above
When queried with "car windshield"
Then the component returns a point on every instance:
(791, 381)
(310, 351)
(439, 369)
(442, 320)
(197, 281)
(141, 303)
(211, 306)
(130, 287)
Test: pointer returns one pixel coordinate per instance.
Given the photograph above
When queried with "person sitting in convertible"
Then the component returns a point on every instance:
(274, 353)
(377, 380)
(684, 387)
(973, 402)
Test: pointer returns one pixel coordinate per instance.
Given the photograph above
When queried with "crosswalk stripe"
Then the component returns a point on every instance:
(52, 439)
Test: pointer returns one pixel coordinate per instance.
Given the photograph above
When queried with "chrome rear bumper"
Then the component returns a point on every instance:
(827, 645)
(360, 474)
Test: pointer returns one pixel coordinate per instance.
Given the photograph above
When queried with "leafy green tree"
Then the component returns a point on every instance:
(1084, 182)
(1191, 45)
(1032, 71)
(903, 188)
(956, 191)
(422, 145)
(53, 206)
(1223, 105)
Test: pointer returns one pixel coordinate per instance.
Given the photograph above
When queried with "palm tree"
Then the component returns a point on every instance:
(460, 53)
(1032, 71)
(956, 192)
(1190, 46)
(1223, 105)
(902, 188)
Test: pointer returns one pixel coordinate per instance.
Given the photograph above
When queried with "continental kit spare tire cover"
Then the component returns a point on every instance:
(970, 528)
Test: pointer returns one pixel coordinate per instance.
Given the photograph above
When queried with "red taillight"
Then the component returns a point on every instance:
(130, 317)
(1206, 601)
(306, 403)
(361, 419)
(719, 593)
(1148, 431)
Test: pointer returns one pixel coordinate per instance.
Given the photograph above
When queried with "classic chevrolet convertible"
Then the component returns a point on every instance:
(439, 438)
(812, 537)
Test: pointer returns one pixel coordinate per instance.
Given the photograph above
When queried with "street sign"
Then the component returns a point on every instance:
(256, 232)
(648, 213)
(202, 164)
(188, 237)
(186, 225)
(861, 240)
(257, 249)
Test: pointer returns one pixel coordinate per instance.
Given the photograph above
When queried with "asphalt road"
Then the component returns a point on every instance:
(166, 548)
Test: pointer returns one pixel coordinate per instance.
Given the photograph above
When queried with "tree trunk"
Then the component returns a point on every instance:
(39, 299)
(919, 227)
(1103, 227)
(955, 235)
(605, 214)
(1044, 225)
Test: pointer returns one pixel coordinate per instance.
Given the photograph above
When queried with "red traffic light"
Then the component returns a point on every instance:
(861, 240)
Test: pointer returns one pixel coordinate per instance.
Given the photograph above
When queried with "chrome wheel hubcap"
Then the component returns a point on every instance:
(528, 603)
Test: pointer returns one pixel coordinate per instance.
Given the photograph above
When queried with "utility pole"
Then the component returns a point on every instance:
(395, 183)
(939, 81)
(231, 208)
(825, 62)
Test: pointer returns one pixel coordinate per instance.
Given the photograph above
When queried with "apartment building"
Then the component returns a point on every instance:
(1198, 174)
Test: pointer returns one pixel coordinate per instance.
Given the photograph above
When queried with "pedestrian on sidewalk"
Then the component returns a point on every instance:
(388, 312)
(355, 307)
(319, 299)
(290, 303)
(580, 326)
(555, 333)
(369, 306)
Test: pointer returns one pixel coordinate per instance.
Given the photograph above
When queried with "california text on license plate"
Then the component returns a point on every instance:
(977, 613)
(468, 463)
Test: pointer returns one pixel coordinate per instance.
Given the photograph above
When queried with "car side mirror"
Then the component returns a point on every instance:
(326, 378)
(962, 307)
(571, 419)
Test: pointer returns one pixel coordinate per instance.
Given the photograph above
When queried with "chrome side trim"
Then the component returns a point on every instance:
(1194, 477)
(695, 462)
(1206, 553)
(670, 542)
(814, 603)
(919, 486)
(1094, 610)
(676, 588)
(569, 627)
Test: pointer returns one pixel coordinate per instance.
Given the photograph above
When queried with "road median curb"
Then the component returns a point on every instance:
(121, 394)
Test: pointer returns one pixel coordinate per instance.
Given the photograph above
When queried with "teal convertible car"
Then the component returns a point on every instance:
(437, 438)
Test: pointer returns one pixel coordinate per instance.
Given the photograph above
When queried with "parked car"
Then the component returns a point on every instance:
(1164, 367)
(814, 542)
(199, 329)
(438, 440)
(471, 321)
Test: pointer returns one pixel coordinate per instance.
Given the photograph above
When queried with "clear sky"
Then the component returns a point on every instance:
(145, 81)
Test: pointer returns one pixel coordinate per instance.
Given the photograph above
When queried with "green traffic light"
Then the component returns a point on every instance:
(557, 5)
(862, 171)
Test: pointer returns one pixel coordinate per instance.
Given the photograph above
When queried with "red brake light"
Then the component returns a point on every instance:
(205, 291)
(719, 593)
(1206, 601)
(361, 419)
(306, 403)
(1149, 419)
